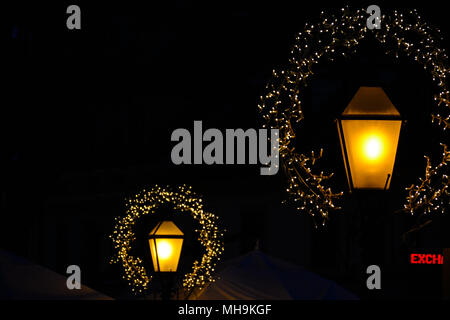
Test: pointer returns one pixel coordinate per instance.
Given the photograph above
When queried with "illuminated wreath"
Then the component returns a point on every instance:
(340, 34)
(147, 202)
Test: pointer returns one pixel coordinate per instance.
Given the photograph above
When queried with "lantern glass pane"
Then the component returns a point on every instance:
(370, 101)
(167, 228)
(371, 147)
(168, 251)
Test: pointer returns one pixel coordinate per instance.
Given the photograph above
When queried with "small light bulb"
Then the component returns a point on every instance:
(373, 148)
(164, 249)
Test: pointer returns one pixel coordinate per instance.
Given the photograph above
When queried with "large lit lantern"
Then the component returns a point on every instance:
(369, 129)
(165, 242)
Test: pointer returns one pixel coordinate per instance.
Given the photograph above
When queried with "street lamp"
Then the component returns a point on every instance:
(369, 129)
(165, 241)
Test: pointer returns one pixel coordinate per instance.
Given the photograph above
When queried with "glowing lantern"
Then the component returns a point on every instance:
(165, 242)
(369, 129)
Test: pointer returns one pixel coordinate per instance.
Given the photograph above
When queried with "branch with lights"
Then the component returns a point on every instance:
(183, 199)
(334, 35)
(432, 193)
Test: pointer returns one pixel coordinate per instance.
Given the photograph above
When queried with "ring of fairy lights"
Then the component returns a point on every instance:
(340, 33)
(147, 202)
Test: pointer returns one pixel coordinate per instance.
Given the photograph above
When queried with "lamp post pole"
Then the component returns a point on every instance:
(369, 130)
(165, 242)
(372, 213)
(166, 279)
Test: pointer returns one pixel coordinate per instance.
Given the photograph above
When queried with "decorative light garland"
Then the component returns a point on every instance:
(432, 192)
(147, 202)
(281, 107)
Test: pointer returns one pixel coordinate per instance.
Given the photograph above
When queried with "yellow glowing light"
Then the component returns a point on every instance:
(370, 151)
(165, 242)
(369, 131)
(373, 148)
(165, 250)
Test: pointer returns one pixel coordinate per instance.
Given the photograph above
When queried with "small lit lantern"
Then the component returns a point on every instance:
(165, 242)
(369, 129)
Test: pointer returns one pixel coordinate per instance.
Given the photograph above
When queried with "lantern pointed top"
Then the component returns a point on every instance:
(371, 101)
(167, 228)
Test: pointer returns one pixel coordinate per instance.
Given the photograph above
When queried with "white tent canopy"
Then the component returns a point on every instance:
(21, 279)
(256, 276)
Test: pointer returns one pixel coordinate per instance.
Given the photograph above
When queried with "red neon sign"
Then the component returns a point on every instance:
(419, 258)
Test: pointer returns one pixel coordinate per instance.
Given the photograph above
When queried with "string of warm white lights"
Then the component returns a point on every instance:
(432, 193)
(183, 199)
(339, 34)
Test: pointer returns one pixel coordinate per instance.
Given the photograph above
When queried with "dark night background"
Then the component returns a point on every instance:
(87, 118)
